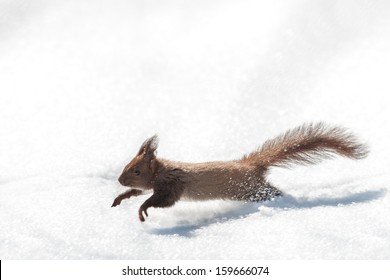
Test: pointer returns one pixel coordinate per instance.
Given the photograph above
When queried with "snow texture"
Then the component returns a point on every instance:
(84, 83)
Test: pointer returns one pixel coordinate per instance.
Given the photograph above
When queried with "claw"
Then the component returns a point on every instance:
(115, 203)
(140, 214)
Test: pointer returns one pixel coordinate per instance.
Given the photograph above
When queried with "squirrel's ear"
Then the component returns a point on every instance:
(149, 147)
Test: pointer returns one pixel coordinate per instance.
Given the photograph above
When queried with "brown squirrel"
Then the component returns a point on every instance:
(242, 179)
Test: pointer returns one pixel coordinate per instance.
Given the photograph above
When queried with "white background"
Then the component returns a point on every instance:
(277, 270)
(83, 83)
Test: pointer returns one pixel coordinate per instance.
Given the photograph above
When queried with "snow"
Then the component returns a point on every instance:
(82, 84)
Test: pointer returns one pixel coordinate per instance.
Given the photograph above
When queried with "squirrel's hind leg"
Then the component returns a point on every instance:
(265, 192)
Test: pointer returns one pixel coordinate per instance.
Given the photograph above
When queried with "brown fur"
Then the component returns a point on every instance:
(243, 179)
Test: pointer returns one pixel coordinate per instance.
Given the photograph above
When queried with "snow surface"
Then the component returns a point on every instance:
(83, 83)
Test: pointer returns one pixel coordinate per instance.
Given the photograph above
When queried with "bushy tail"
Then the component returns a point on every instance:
(307, 144)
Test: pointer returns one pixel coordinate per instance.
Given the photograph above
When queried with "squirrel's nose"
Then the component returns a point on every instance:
(121, 179)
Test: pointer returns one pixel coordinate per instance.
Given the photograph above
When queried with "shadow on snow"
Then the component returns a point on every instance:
(285, 203)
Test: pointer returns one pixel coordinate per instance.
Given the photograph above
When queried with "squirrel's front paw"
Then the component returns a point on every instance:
(116, 202)
(140, 214)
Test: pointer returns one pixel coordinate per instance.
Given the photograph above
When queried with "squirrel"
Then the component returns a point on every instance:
(243, 179)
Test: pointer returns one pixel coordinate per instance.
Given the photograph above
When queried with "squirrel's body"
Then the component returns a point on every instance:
(234, 180)
(242, 179)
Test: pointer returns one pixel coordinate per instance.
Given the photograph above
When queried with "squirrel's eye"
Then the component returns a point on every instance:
(136, 172)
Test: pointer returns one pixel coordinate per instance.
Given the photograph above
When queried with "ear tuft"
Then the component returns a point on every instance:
(149, 146)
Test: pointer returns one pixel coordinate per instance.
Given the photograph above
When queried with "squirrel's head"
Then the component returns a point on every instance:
(140, 171)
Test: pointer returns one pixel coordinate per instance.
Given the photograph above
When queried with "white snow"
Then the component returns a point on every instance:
(83, 83)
